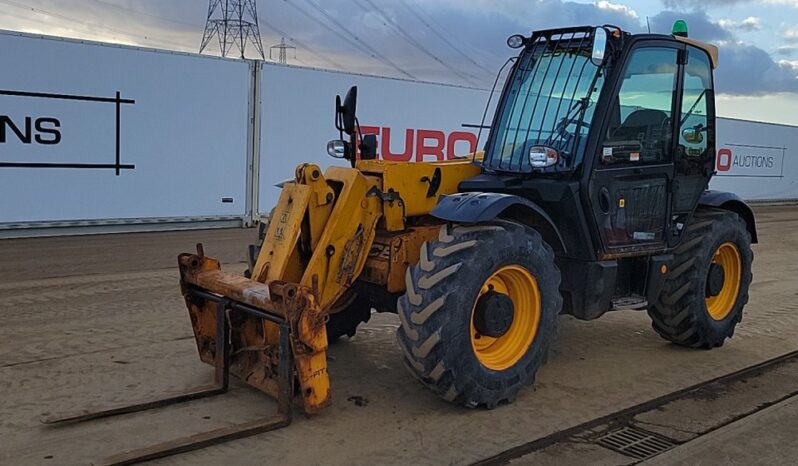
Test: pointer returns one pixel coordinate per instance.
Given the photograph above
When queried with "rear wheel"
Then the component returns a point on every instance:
(355, 311)
(705, 291)
(480, 312)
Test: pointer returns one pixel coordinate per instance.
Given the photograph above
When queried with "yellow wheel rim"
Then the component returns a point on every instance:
(502, 352)
(728, 257)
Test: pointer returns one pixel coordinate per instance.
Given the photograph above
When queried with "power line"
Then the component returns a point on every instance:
(355, 41)
(280, 32)
(325, 26)
(79, 31)
(142, 13)
(416, 11)
(87, 29)
(300, 44)
(83, 23)
(412, 41)
(87, 24)
(268, 25)
(90, 28)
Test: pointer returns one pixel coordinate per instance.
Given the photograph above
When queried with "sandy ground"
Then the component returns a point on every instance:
(92, 320)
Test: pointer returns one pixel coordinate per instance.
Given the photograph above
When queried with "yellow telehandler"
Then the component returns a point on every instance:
(590, 195)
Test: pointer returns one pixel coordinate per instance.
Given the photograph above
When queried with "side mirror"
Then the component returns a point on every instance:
(693, 135)
(599, 46)
(345, 112)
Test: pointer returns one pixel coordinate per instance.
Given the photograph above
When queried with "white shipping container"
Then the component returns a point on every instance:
(422, 121)
(94, 132)
(758, 161)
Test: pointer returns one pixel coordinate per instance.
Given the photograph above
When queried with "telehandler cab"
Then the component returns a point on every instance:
(589, 196)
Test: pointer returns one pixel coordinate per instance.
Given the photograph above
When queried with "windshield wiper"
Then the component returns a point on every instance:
(690, 112)
(577, 109)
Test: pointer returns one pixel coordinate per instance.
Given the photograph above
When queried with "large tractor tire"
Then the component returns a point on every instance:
(702, 299)
(480, 312)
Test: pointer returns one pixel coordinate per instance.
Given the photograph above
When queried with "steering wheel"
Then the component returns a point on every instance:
(562, 129)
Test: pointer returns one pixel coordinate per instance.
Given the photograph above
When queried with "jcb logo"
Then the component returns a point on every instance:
(45, 130)
(418, 144)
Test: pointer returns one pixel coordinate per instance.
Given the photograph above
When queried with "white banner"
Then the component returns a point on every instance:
(94, 132)
(102, 133)
(418, 121)
(413, 121)
(757, 161)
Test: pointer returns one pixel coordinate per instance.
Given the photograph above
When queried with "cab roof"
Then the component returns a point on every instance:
(710, 49)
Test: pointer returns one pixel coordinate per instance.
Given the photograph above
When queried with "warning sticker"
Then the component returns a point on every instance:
(644, 236)
(634, 157)
(607, 152)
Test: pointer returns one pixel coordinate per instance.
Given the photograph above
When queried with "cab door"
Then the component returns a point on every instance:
(694, 156)
(630, 186)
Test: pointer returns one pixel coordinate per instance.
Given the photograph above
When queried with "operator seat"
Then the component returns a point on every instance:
(647, 126)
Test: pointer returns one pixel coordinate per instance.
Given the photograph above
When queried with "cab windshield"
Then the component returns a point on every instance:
(549, 101)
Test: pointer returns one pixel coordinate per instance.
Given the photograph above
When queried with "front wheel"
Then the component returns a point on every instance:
(480, 312)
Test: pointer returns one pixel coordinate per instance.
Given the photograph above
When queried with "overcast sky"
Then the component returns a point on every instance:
(453, 41)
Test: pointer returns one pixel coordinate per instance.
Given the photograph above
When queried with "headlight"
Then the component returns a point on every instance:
(337, 148)
(542, 156)
(516, 41)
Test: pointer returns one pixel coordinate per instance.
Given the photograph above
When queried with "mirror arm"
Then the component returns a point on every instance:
(339, 123)
(355, 138)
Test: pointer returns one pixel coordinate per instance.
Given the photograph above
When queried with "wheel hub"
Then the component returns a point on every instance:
(715, 280)
(494, 314)
(724, 280)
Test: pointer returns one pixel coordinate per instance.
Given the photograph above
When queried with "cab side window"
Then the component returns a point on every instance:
(640, 129)
(693, 147)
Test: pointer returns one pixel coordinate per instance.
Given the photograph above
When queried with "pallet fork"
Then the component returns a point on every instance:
(226, 309)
